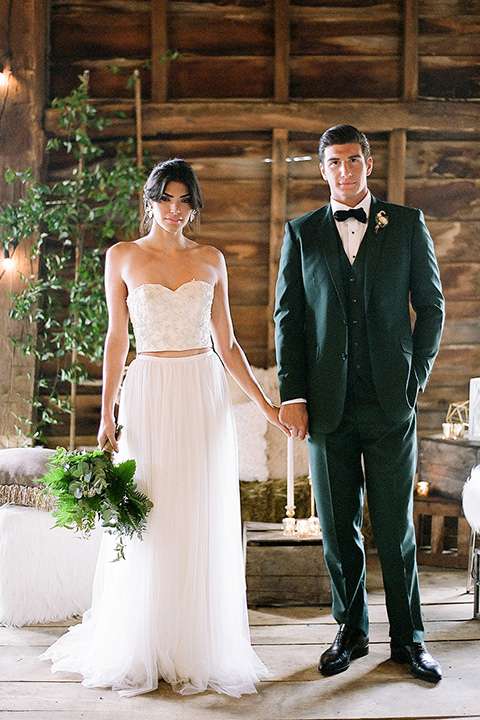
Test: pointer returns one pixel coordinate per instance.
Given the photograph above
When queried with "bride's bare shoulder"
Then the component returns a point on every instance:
(210, 255)
(122, 250)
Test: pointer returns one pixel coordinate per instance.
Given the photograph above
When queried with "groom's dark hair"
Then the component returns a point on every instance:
(342, 135)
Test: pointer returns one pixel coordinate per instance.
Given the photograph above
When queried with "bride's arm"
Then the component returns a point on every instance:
(116, 344)
(230, 351)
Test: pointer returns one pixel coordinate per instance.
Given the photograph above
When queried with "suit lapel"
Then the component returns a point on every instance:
(373, 244)
(330, 251)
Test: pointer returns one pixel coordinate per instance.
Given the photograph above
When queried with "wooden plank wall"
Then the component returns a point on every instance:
(268, 61)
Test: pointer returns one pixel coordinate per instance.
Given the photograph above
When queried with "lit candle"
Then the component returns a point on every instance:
(312, 496)
(422, 488)
(290, 474)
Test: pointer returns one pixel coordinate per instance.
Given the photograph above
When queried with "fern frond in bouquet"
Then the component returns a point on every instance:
(89, 488)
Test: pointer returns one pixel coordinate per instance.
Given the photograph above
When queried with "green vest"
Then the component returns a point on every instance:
(353, 276)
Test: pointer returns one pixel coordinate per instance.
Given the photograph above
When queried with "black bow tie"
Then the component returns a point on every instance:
(359, 214)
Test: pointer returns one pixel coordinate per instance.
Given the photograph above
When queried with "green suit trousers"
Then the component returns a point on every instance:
(369, 450)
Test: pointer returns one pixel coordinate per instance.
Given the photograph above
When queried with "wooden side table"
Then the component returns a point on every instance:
(284, 570)
(446, 464)
(440, 541)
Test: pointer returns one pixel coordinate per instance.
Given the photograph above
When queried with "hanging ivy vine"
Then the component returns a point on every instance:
(69, 223)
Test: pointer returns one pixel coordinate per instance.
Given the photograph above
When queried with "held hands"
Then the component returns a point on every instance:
(294, 418)
(271, 412)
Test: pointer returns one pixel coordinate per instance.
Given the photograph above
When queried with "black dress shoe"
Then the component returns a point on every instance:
(348, 645)
(422, 664)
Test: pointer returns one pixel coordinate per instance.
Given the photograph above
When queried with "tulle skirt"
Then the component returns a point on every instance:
(175, 608)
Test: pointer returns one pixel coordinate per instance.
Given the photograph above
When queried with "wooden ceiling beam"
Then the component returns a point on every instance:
(193, 117)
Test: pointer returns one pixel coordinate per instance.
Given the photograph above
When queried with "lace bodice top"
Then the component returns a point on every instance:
(165, 319)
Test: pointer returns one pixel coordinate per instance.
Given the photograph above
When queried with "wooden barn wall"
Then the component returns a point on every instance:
(335, 50)
(338, 48)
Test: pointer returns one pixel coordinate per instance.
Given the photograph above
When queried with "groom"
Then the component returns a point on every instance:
(350, 366)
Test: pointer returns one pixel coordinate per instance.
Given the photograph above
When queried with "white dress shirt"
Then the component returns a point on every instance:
(351, 231)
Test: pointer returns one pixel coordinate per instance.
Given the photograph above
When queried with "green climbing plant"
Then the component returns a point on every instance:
(69, 222)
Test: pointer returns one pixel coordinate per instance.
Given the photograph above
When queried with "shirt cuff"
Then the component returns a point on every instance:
(296, 400)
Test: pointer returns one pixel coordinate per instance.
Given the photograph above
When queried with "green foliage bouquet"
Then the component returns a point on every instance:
(90, 487)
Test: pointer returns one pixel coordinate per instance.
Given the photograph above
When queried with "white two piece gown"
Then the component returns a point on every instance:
(175, 608)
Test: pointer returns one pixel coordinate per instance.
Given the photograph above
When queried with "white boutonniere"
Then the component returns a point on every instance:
(381, 220)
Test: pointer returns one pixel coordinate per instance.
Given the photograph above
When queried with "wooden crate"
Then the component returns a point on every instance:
(444, 546)
(284, 570)
(446, 464)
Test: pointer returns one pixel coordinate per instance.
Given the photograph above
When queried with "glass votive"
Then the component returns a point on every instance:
(314, 526)
(447, 430)
(288, 526)
(303, 528)
(458, 430)
(422, 488)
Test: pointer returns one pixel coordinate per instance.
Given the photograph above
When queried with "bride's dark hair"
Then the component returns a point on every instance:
(176, 170)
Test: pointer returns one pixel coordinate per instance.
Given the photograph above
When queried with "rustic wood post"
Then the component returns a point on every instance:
(138, 124)
(159, 50)
(78, 260)
(397, 156)
(278, 213)
(282, 51)
(21, 146)
(410, 50)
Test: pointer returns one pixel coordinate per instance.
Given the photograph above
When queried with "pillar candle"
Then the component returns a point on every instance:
(290, 473)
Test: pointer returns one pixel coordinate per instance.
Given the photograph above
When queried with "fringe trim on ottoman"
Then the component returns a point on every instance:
(26, 496)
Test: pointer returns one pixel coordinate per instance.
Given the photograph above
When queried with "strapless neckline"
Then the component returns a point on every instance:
(183, 285)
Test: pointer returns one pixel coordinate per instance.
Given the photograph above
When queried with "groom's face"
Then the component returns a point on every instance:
(345, 169)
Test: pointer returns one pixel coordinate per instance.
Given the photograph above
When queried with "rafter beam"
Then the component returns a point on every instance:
(303, 116)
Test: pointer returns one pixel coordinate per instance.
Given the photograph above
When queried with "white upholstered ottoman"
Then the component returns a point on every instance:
(45, 574)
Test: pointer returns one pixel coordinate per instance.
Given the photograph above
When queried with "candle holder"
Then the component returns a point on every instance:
(289, 522)
(456, 421)
(303, 529)
(447, 430)
(314, 529)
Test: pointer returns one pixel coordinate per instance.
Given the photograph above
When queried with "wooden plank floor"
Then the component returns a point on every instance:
(289, 640)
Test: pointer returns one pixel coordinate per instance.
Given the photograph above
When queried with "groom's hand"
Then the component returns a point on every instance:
(295, 418)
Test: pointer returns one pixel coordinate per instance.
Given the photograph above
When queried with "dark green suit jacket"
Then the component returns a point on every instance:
(311, 322)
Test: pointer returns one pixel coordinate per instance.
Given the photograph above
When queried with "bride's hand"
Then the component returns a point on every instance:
(271, 413)
(106, 435)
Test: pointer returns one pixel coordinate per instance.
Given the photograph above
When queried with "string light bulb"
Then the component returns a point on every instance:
(5, 72)
(7, 260)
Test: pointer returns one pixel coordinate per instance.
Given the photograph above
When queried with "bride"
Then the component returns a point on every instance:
(175, 608)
